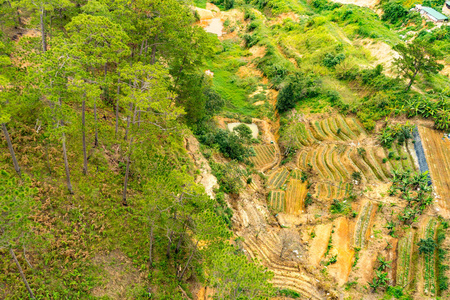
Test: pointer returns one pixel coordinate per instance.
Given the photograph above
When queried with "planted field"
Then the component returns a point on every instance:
(295, 195)
(330, 191)
(265, 155)
(334, 128)
(277, 200)
(437, 153)
(429, 261)
(336, 163)
(363, 224)
(404, 256)
(278, 178)
(266, 249)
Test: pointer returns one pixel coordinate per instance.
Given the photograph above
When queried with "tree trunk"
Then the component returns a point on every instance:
(127, 172)
(44, 41)
(128, 122)
(150, 251)
(11, 149)
(169, 243)
(188, 262)
(154, 50)
(83, 130)
(66, 164)
(96, 125)
(180, 239)
(11, 251)
(117, 106)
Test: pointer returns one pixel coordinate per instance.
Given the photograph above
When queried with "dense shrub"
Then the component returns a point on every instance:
(394, 12)
(227, 4)
(330, 60)
(232, 145)
(298, 86)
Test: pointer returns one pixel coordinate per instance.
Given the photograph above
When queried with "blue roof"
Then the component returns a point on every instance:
(437, 15)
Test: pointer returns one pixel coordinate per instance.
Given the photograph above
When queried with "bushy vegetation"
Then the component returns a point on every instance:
(414, 188)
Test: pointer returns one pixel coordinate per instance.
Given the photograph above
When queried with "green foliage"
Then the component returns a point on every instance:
(227, 4)
(233, 276)
(330, 60)
(356, 176)
(416, 57)
(340, 207)
(394, 12)
(17, 205)
(426, 246)
(401, 133)
(298, 86)
(289, 293)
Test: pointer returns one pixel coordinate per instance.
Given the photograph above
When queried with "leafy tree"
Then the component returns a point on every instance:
(244, 132)
(416, 57)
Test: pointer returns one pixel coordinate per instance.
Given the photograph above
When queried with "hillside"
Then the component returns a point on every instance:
(275, 149)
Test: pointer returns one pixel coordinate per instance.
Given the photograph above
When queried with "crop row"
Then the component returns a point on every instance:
(430, 261)
(362, 225)
(277, 200)
(337, 163)
(331, 129)
(404, 259)
(295, 195)
(278, 178)
(265, 154)
(328, 191)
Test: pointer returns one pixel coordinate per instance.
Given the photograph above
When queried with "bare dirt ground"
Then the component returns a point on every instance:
(381, 52)
(121, 277)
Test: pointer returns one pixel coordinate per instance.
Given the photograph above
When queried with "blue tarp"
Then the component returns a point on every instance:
(420, 153)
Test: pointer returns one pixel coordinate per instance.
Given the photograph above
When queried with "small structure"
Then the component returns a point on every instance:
(446, 8)
(430, 14)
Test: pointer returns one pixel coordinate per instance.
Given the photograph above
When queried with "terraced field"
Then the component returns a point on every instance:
(437, 152)
(333, 149)
(295, 195)
(335, 128)
(287, 191)
(278, 178)
(266, 248)
(266, 156)
(362, 230)
(277, 200)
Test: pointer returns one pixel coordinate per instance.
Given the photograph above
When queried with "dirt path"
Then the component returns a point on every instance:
(205, 178)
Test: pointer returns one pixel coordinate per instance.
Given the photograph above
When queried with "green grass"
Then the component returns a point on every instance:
(200, 3)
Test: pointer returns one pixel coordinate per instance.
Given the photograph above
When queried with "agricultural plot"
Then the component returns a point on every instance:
(334, 128)
(288, 191)
(330, 191)
(334, 162)
(404, 256)
(265, 155)
(295, 195)
(278, 178)
(277, 200)
(437, 153)
(363, 224)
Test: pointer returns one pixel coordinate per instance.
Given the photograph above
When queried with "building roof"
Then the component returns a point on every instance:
(435, 14)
